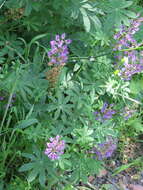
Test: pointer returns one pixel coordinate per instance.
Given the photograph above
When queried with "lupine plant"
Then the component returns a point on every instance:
(70, 89)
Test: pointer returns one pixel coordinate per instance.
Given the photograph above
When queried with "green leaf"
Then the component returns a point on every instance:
(26, 123)
(136, 86)
(40, 166)
(30, 156)
(32, 175)
(26, 167)
(126, 4)
(130, 14)
(120, 4)
(122, 168)
(42, 177)
(69, 187)
(86, 21)
(117, 14)
(57, 114)
(96, 21)
(83, 135)
(28, 9)
(136, 124)
(61, 164)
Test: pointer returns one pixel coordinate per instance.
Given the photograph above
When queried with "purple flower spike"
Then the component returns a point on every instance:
(129, 70)
(55, 148)
(106, 149)
(59, 50)
(105, 113)
(133, 62)
(104, 107)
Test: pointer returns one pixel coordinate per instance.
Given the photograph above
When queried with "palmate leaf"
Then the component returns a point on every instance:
(117, 13)
(29, 82)
(83, 135)
(74, 8)
(60, 104)
(28, 4)
(87, 11)
(10, 45)
(83, 167)
(89, 18)
(39, 166)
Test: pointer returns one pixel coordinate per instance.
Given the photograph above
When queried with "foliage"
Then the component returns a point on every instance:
(39, 101)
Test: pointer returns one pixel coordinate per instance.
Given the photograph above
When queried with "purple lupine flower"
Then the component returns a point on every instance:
(105, 113)
(108, 114)
(129, 70)
(106, 149)
(68, 41)
(103, 109)
(63, 36)
(1, 98)
(57, 38)
(126, 40)
(55, 148)
(58, 54)
(125, 35)
(117, 36)
(53, 43)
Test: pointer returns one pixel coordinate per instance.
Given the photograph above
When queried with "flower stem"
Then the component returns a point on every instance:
(128, 98)
(130, 49)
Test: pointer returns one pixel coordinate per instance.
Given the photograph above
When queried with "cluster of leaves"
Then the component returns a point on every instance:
(32, 111)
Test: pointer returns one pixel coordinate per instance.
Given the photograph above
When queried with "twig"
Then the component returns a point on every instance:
(91, 186)
(117, 187)
(6, 110)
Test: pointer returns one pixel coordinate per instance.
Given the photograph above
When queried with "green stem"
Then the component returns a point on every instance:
(6, 110)
(8, 105)
(7, 151)
(89, 56)
(130, 49)
(9, 162)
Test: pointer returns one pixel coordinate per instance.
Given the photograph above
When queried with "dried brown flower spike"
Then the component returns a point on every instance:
(53, 74)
